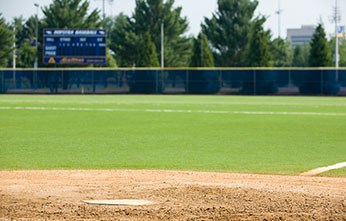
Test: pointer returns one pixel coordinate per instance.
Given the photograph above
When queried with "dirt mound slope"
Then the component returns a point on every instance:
(177, 195)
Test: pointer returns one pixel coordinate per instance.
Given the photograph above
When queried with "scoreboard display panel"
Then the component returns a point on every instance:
(74, 46)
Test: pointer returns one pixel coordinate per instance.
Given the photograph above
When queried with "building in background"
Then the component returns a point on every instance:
(300, 36)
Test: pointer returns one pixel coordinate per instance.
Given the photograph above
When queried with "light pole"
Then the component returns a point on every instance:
(162, 45)
(104, 7)
(14, 53)
(202, 54)
(14, 46)
(279, 12)
(36, 36)
(336, 18)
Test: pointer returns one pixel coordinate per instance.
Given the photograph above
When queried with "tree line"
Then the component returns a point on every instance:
(234, 36)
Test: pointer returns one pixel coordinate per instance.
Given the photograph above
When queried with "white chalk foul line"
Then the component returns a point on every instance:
(172, 111)
(324, 169)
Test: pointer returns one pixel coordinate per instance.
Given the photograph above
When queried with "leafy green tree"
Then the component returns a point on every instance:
(107, 24)
(342, 50)
(26, 54)
(6, 42)
(111, 61)
(229, 31)
(70, 14)
(30, 32)
(25, 35)
(282, 53)
(123, 41)
(301, 56)
(203, 81)
(146, 81)
(202, 56)
(146, 56)
(260, 53)
(310, 82)
(149, 15)
(320, 53)
(20, 30)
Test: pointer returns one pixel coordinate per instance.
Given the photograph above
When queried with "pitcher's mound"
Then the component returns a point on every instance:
(119, 202)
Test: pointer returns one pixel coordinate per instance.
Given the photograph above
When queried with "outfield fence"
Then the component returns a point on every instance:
(291, 81)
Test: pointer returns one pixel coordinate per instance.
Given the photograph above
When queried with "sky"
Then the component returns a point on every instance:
(294, 12)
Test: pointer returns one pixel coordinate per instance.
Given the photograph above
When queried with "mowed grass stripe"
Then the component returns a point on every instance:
(172, 111)
(279, 144)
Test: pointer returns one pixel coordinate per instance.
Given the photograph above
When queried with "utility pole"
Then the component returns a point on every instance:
(279, 12)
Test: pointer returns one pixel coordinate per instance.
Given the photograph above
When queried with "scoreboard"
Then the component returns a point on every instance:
(74, 46)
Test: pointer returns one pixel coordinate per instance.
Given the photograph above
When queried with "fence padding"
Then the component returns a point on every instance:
(174, 81)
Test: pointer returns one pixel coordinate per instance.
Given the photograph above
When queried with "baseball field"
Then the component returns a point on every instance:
(195, 157)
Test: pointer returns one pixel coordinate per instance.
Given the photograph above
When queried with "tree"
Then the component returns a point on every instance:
(70, 14)
(260, 53)
(281, 51)
(149, 16)
(146, 56)
(111, 61)
(301, 56)
(123, 41)
(229, 31)
(6, 42)
(311, 82)
(203, 81)
(202, 56)
(25, 35)
(342, 50)
(146, 81)
(320, 54)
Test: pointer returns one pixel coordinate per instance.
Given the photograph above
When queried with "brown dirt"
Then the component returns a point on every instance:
(59, 195)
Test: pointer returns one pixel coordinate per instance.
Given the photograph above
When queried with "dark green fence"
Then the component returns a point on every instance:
(174, 81)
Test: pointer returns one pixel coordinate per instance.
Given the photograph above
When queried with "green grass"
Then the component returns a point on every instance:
(335, 173)
(124, 132)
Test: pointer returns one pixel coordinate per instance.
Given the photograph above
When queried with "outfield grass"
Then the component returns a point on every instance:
(278, 135)
(335, 173)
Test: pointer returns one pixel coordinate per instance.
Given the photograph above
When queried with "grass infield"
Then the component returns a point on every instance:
(276, 135)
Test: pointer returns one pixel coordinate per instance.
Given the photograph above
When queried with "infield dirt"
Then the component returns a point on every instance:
(59, 195)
